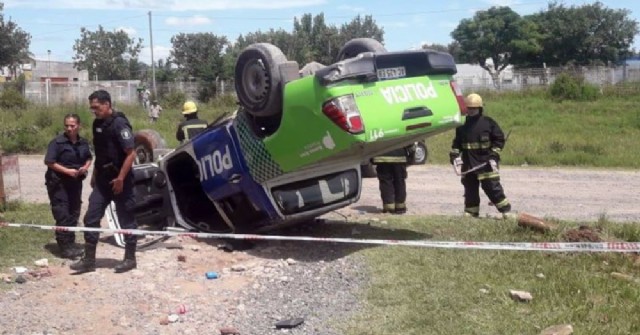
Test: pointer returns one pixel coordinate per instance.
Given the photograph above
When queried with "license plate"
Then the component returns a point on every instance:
(392, 72)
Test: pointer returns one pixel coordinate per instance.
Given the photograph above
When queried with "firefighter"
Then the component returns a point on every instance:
(391, 168)
(191, 126)
(478, 142)
(68, 159)
(112, 180)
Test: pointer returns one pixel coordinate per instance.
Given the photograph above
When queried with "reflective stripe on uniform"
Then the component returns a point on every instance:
(496, 150)
(472, 210)
(455, 151)
(502, 203)
(488, 175)
(186, 128)
(389, 159)
(389, 207)
(476, 145)
(401, 205)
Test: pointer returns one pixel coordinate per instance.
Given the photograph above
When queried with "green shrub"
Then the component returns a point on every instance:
(10, 98)
(568, 87)
(174, 99)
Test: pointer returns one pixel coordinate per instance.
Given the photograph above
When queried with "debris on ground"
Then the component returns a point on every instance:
(582, 234)
(182, 258)
(521, 296)
(20, 279)
(43, 263)
(229, 331)
(558, 330)
(625, 277)
(289, 323)
(529, 221)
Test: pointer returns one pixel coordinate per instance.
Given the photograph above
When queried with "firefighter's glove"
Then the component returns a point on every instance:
(452, 156)
(494, 156)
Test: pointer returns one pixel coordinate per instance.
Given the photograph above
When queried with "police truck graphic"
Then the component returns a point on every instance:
(293, 150)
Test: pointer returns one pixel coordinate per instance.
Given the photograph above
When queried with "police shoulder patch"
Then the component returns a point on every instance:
(125, 133)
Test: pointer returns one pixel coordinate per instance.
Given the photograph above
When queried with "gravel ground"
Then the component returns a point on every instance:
(275, 280)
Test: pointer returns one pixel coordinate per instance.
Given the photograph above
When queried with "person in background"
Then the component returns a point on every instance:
(154, 111)
(391, 168)
(112, 180)
(191, 126)
(68, 159)
(479, 142)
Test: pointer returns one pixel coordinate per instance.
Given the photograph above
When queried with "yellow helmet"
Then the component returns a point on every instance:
(473, 100)
(189, 107)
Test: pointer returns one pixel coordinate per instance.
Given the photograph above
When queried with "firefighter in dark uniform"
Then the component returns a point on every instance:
(112, 180)
(68, 159)
(191, 126)
(391, 168)
(478, 142)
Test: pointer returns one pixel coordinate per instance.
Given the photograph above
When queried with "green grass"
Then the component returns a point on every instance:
(22, 246)
(430, 291)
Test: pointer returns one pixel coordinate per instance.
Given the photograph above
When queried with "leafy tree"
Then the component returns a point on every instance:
(199, 55)
(498, 34)
(110, 55)
(361, 27)
(588, 34)
(14, 44)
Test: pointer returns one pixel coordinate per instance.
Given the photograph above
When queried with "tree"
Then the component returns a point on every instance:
(109, 55)
(14, 44)
(199, 55)
(498, 34)
(589, 34)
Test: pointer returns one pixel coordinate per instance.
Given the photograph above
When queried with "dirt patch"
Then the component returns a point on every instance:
(582, 234)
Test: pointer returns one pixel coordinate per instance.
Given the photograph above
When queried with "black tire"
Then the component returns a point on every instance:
(257, 79)
(145, 141)
(368, 171)
(420, 155)
(357, 46)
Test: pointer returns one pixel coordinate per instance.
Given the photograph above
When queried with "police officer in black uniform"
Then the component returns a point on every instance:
(191, 126)
(391, 168)
(112, 180)
(479, 142)
(68, 159)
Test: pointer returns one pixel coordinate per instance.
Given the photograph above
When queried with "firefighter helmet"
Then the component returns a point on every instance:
(189, 107)
(473, 100)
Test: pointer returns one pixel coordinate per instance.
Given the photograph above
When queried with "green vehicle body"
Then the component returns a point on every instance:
(299, 140)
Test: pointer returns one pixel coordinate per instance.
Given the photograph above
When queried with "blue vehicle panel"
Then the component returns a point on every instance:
(223, 169)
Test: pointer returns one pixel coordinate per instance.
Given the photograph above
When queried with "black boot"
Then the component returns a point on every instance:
(88, 262)
(129, 262)
(68, 250)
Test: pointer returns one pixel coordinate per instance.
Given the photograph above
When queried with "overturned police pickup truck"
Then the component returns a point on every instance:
(293, 149)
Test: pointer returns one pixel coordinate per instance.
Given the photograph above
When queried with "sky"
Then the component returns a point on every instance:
(54, 25)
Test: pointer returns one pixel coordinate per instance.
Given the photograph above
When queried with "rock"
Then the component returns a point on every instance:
(20, 269)
(484, 291)
(5, 278)
(164, 320)
(291, 261)
(521, 296)
(20, 279)
(540, 275)
(173, 318)
(238, 268)
(558, 330)
(182, 258)
(229, 331)
(42, 262)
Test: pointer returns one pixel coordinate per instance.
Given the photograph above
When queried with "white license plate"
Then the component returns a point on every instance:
(392, 72)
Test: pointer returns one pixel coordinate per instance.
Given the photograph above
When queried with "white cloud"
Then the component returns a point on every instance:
(130, 31)
(348, 8)
(173, 5)
(501, 2)
(159, 52)
(196, 20)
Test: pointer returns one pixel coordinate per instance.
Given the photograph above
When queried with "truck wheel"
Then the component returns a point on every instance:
(257, 79)
(420, 155)
(357, 46)
(145, 141)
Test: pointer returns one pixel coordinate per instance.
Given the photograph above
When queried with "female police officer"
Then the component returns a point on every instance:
(68, 158)
(112, 180)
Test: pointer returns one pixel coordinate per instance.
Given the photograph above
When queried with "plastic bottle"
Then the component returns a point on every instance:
(211, 275)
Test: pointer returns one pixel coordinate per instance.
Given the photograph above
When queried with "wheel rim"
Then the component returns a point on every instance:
(142, 155)
(255, 81)
(419, 154)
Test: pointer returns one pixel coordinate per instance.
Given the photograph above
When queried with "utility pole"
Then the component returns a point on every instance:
(153, 63)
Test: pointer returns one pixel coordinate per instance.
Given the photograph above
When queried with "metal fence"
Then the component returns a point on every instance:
(468, 78)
